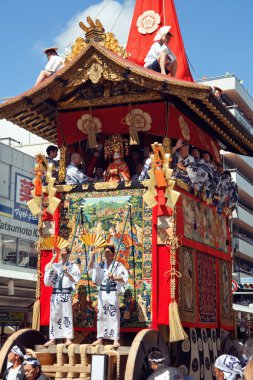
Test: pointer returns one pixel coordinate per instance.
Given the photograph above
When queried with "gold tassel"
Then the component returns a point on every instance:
(36, 315)
(133, 134)
(176, 329)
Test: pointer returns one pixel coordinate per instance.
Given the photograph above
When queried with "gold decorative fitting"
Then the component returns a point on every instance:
(95, 72)
(62, 164)
(106, 185)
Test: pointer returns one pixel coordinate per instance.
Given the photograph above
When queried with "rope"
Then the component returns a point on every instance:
(113, 352)
(123, 6)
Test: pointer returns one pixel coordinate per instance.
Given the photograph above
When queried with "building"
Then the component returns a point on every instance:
(18, 233)
(239, 102)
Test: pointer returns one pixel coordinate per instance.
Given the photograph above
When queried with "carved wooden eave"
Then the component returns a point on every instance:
(99, 77)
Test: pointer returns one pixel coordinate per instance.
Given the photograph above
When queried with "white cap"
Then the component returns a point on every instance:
(163, 30)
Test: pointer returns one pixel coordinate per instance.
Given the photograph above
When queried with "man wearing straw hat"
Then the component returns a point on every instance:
(160, 57)
(15, 371)
(110, 276)
(54, 64)
(62, 277)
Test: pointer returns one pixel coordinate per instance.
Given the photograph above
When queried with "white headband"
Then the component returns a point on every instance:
(32, 361)
(157, 360)
(17, 351)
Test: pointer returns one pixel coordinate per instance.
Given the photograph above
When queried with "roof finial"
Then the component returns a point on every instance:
(94, 32)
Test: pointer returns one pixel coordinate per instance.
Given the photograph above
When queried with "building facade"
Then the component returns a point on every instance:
(238, 100)
(18, 234)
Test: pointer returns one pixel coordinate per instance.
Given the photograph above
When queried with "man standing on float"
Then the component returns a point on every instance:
(62, 277)
(110, 276)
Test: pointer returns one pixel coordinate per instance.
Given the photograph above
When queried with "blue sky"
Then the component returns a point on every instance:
(218, 35)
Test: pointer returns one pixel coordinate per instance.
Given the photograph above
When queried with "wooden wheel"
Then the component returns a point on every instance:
(27, 338)
(137, 366)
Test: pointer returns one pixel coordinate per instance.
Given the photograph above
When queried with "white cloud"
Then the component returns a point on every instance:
(115, 17)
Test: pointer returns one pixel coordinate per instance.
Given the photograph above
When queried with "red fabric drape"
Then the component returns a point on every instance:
(45, 258)
(113, 121)
(139, 44)
(181, 127)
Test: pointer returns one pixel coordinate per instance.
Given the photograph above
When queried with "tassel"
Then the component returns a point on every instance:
(92, 140)
(36, 315)
(176, 329)
(134, 137)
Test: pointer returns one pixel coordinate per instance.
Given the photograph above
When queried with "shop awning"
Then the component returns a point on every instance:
(244, 309)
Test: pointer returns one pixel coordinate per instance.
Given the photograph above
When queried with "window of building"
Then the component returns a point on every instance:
(20, 252)
(5, 180)
(23, 253)
(9, 249)
(33, 257)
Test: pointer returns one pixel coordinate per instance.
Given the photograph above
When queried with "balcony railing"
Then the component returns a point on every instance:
(241, 118)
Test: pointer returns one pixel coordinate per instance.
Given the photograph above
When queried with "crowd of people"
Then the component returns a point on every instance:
(195, 171)
(22, 366)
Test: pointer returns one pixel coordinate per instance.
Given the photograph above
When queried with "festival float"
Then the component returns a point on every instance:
(176, 246)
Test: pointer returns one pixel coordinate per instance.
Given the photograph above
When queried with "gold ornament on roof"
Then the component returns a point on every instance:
(95, 32)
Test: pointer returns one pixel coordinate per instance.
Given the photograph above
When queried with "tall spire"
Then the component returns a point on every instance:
(149, 16)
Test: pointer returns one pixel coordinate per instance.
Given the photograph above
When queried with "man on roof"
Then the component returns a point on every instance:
(54, 64)
(160, 58)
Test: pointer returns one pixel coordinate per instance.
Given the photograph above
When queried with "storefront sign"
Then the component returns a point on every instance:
(12, 227)
(14, 318)
(23, 187)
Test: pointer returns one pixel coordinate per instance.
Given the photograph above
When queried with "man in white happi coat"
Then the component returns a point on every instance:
(62, 277)
(108, 274)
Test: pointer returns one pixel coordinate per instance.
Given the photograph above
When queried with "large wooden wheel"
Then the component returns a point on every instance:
(137, 366)
(27, 338)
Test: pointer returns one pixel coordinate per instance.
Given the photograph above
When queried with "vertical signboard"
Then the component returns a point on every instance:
(23, 188)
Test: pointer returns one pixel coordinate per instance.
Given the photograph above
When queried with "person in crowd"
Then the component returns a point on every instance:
(32, 369)
(185, 168)
(232, 192)
(195, 152)
(202, 173)
(217, 92)
(147, 164)
(110, 276)
(99, 175)
(248, 352)
(227, 367)
(133, 160)
(161, 371)
(62, 277)
(74, 173)
(52, 152)
(160, 57)
(54, 64)
(15, 371)
(139, 168)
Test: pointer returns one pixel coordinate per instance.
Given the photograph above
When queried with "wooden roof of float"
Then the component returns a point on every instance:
(99, 77)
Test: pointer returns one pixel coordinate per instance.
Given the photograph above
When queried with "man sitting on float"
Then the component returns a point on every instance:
(160, 58)
(54, 64)
(74, 173)
(185, 168)
(118, 169)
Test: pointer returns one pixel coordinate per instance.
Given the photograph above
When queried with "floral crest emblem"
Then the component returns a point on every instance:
(139, 119)
(91, 126)
(148, 22)
(184, 128)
